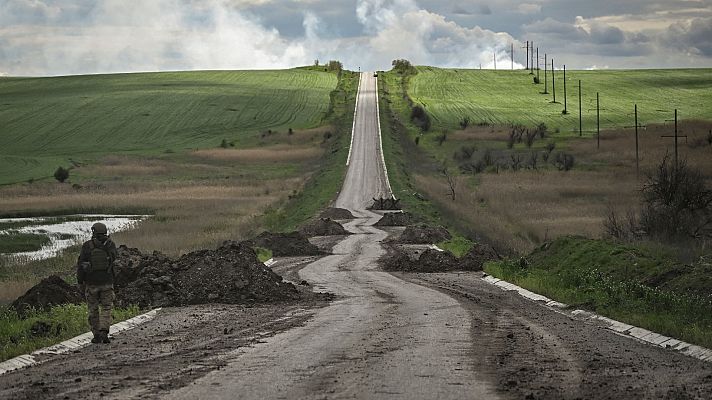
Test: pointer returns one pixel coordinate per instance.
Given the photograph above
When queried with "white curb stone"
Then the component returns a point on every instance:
(641, 334)
(74, 343)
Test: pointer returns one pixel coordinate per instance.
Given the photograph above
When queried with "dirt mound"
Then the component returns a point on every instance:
(286, 244)
(429, 261)
(323, 227)
(423, 234)
(395, 219)
(51, 291)
(477, 256)
(230, 274)
(337, 213)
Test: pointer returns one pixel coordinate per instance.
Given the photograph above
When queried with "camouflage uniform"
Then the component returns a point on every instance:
(98, 286)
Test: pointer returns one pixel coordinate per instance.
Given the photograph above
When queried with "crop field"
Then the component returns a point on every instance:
(505, 97)
(46, 122)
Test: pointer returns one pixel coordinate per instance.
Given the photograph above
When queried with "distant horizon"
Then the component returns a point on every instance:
(88, 37)
(346, 69)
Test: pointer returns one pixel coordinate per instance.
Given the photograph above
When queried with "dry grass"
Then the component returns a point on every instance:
(277, 153)
(519, 210)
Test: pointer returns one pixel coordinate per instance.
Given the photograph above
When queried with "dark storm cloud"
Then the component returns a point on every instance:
(695, 38)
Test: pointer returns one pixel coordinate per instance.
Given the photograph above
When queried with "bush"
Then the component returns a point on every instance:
(417, 140)
(61, 174)
(441, 138)
(564, 161)
(464, 122)
(676, 203)
(464, 153)
(530, 137)
(420, 118)
(536, 80)
(473, 167)
(224, 144)
(542, 130)
(487, 158)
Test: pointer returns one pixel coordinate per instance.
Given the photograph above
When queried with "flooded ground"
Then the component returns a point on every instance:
(62, 231)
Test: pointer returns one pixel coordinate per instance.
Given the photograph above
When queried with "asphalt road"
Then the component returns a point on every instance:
(402, 336)
(384, 338)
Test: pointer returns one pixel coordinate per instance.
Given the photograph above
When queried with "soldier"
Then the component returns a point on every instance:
(95, 276)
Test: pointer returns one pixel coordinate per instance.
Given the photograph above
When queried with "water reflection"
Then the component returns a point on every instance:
(64, 231)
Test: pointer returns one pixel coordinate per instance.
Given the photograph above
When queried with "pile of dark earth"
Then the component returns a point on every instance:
(230, 274)
(51, 291)
(395, 219)
(432, 260)
(285, 244)
(337, 213)
(323, 227)
(423, 234)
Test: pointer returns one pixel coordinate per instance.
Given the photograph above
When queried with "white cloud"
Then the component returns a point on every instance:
(529, 8)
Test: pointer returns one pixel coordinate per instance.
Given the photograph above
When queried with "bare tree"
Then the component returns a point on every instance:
(452, 183)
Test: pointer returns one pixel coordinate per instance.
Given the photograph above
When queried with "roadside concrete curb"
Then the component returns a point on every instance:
(621, 328)
(270, 262)
(74, 343)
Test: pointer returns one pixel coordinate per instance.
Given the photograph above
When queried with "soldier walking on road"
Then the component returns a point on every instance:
(95, 276)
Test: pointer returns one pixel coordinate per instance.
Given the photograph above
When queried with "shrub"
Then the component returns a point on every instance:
(623, 228)
(420, 118)
(549, 148)
(515, 162)
(533, 161)
(224, 144)
(61, 174)
(290, 131)
(441, 138)
(676, 203)
(530, 137)
(536, 80)
(542, 130)
(417, 140)
(464, 153)
(464, 122)
(487, 158)
(473, 167)
(564, 161)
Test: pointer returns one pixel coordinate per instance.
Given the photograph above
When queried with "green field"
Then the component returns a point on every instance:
(45, 122)
(503, 97)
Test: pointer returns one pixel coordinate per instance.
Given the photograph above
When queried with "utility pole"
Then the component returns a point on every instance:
(580, 113)
(546, 82)
(537, 65)
(512, 56)
(527, 61)
(637, 154)
(637, 148)
(495, 59)
(598, 122)
(566, 110)
(553, 81)
(531, 54)
(676, 136)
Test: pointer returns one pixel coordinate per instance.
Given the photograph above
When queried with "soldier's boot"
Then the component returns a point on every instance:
(97, 338)
(105, 337)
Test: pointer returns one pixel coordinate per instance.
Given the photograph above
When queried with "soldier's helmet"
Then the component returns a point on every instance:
(99, 229)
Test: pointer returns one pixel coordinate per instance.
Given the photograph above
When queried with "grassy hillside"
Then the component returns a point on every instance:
(502, 97)
(44, 122)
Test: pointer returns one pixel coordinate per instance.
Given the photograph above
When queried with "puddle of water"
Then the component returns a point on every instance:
(65, 232)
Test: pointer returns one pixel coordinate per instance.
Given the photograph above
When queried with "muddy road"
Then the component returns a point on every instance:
(395, 336)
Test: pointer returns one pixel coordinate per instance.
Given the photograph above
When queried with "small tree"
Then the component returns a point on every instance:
(334, 66)
(61, 174)
(676, 203)
(403, 67)
(451, 182)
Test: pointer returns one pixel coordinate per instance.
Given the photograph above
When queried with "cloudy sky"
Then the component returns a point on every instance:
(58, 37)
